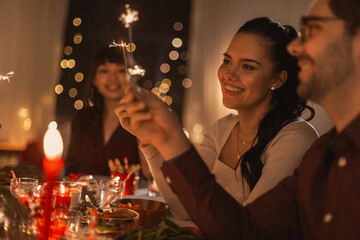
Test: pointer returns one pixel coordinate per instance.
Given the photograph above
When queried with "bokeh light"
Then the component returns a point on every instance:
(165, 68)
(77, 38)
(178, 26)
(156, 91)
(164, 88)
(68, 50)
(79, 77)
(71, 63)
(23, 112)
(177, 42)
(184, 55)
(168, 100)
(187, 83)
(59, 89)
(27, 124)
(173, 55)
(131, 47)
(72, 92)
(64, 63)
(76, 22)
(167, 81)
(78, 104)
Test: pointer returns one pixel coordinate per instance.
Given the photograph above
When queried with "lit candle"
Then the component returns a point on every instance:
(52, 164)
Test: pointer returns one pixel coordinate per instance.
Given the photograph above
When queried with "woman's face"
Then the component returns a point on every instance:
(247, 74)
(110, 79)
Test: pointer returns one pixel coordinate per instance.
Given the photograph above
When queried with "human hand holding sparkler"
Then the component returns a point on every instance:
(144, 115)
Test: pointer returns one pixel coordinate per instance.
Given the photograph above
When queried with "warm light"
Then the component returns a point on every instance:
(71, 63)
(77, 38)
(173, 55)
(164, 87)
(131, 47)
(59, 89)
(164, 68)
(64, 63)
(177, 42)
(68, 50)
(77, 21)
(168, 100)
(62, 189)
(72, 92)
(79, 77)
(167, 81)
(23, 112)
(53, 143)
(78, 104)
(178, 26)
(27, 124)
(187, 83)
(156, 90)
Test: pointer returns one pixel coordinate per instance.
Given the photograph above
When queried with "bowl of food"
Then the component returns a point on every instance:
(112, 220)
(151, 212)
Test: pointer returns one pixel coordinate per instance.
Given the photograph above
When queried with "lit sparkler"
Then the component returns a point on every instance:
(7, 76)
(128, 18)
(114, 44)
(137, 70)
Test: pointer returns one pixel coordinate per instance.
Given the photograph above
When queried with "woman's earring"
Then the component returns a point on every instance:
(272, 88)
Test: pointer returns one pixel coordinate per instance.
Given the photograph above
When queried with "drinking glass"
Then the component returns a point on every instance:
(111, 190)
(24, 190)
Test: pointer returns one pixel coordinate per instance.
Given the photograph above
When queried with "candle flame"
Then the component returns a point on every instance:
(53, 143)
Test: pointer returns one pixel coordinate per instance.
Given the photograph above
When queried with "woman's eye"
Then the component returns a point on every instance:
(226, 61)
(102, 71)
(248, 67)
(122, 70)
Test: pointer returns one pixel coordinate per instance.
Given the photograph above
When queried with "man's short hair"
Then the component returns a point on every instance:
(349, 11)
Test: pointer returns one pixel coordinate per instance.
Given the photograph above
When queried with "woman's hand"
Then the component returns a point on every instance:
(144, 115)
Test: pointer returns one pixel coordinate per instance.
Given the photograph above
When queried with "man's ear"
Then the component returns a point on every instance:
(279, 79)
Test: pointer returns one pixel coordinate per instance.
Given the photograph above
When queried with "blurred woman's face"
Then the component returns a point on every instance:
(110, 79)
(246, 74)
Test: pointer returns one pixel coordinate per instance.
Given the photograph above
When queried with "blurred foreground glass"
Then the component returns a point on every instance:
(25, 190)
(111, 190)
(153, 190)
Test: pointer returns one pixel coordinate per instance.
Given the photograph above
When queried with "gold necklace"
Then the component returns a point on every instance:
(243, 143)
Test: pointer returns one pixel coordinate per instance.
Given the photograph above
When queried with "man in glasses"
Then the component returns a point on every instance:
(321, 200)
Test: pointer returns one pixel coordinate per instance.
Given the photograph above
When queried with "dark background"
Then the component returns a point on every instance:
(152, 34)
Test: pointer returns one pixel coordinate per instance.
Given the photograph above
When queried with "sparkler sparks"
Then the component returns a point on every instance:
(114, 44)
(7, 76)
(129, 17)
(137, 70)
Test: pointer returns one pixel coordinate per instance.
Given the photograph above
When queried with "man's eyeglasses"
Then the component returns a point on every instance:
(306, 31)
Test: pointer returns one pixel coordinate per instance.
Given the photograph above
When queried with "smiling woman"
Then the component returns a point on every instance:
(96, 135)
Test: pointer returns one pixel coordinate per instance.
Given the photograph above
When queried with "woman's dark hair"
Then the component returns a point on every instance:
(287, 105)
